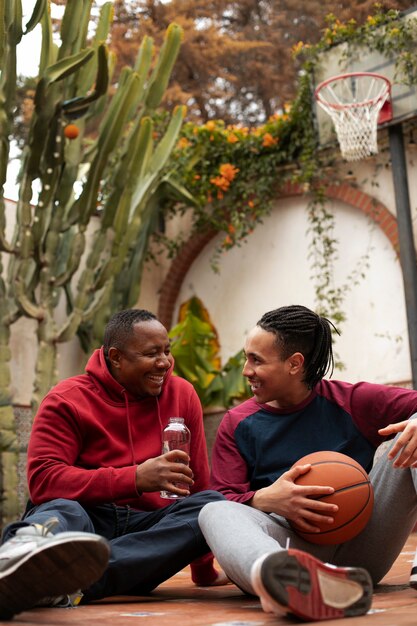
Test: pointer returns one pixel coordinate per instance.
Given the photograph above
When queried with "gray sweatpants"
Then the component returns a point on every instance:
(238, 534)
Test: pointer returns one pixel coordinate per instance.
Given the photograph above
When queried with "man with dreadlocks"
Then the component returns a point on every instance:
(295, 411)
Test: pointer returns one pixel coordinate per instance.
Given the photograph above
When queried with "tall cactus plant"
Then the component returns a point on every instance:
(90, 223)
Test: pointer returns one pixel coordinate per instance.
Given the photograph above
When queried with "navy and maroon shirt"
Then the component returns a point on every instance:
(256, 443)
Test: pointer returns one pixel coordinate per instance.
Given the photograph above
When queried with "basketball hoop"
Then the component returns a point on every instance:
(356, 102)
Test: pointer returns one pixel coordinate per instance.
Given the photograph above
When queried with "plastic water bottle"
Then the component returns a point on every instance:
(176, 436)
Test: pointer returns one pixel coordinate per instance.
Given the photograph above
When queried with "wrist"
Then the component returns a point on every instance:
(139, 491)
(261, 501)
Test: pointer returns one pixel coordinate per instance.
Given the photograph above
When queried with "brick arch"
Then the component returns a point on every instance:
(190, 250)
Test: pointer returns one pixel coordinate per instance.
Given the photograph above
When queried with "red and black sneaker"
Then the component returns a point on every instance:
(292, 581)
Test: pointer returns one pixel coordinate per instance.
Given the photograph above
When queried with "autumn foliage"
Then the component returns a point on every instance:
(236, 59)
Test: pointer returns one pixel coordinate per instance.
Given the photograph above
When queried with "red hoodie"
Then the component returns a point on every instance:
(89, 434)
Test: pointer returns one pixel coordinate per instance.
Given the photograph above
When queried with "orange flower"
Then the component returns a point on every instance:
(269, 140)
(251, 204)
(228, 171)
(243, 130)
(210, 125)
(197, 176)
(296, 49)
(183, 143)
(232, 138)
(231, 229)
(227, 242)
(221, 182)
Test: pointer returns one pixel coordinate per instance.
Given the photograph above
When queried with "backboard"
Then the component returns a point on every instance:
(334, 62)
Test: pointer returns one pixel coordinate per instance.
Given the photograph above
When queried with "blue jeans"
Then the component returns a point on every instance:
(147, 547)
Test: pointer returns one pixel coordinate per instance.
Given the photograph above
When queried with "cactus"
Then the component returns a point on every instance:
(108, 188)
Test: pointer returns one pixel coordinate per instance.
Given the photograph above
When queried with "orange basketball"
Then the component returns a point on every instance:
(353, 494)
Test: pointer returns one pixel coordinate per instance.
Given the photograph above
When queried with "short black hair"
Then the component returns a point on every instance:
(119, 328)
(298, 329)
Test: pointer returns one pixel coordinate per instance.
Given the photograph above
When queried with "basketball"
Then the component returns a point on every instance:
(353, 495)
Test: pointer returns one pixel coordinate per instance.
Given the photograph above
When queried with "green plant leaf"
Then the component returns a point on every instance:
(195, 347)
(68, 66)
(35, 18)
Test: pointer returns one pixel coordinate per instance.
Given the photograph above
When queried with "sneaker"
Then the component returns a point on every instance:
(295, 582)
(68, 601)
(413, 575)
(35, 564)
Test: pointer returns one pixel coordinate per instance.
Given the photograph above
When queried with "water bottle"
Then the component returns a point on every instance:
(176, 436)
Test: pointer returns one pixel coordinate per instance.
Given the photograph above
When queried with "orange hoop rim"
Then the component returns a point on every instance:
(349, 105)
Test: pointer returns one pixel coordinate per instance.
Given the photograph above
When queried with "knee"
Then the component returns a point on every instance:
(208, 496)
(214, 496)
(69, 513)
(63, 503)
(213, 511)
(58, 504)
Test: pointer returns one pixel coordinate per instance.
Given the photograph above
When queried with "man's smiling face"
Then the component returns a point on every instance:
(142, 365)
(273, 378)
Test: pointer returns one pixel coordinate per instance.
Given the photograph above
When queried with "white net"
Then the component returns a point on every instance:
(354, 102)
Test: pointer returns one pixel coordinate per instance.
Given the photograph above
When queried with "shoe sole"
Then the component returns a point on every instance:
(296, 582)
(56, 568)
(413, 578)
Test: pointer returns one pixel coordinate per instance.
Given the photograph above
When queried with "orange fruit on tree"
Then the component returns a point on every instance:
(71, 131)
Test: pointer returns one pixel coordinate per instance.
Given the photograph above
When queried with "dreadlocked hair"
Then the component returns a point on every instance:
(119, 329)
(298, 329)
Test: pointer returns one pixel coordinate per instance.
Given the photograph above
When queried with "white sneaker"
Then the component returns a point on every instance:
(35, 564)
(292, 581)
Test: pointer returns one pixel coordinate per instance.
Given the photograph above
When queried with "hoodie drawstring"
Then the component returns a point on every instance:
(159, 420)
(129, 428)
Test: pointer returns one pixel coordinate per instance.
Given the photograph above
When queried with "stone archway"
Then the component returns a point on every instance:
(190, 250)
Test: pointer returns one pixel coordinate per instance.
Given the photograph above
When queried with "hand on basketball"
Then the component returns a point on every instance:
(404, 451)
(296, 502)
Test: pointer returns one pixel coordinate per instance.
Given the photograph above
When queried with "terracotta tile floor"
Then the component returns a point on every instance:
(178, 603)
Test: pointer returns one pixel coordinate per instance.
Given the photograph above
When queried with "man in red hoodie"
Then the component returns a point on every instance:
(95, 521)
